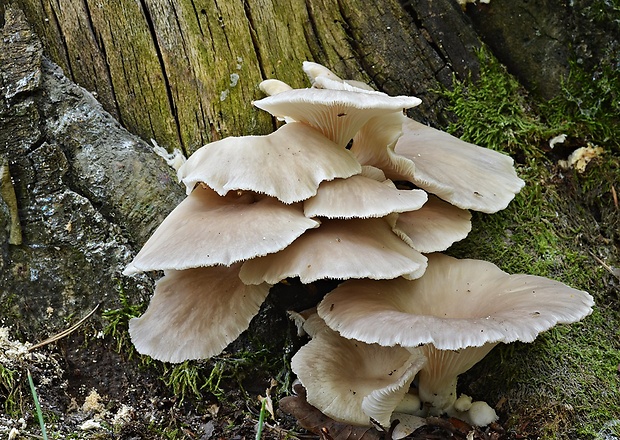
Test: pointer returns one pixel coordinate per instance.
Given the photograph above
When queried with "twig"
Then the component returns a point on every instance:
(64, 333)
(605, 265)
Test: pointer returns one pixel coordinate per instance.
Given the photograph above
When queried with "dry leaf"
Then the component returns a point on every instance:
(318, 423)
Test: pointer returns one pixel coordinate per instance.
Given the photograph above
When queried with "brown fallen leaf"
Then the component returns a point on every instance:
(318, 423)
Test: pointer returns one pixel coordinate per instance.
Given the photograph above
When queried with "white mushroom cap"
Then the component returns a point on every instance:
(435, 226)
(318, 74)
(374, 145)
(344, 378)
(464, 174)
(287, 164)
(274, 86)
(206, 229)
(338, 114)
(361, 196)
(339, 249)
(196, 313)
(456, 304)
(314, 70)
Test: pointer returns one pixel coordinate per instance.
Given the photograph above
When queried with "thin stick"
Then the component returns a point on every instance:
(606, 266)
(64, 333)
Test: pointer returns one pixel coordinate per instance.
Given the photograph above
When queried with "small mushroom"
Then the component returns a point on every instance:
(362, 196)
(206, 229)
(338, 114)
(460, 309)
(463, 174)
(339, 249)
(196, 313)
(274, 86)
(317, 74)
(351, 381)
(288, 164)
(314, 70)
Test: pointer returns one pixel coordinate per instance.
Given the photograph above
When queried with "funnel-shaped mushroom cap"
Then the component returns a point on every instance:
(435, 226)
(288, 164)
(206, 229)
(382, 402)
(464, 174)
(196, 313)
(343, 377)
(456, 304)
(339, 249)
(338, 114)
(362, 196)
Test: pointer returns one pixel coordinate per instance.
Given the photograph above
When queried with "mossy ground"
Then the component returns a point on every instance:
(563, 225)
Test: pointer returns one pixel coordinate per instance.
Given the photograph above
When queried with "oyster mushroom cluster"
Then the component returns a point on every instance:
(347, 188)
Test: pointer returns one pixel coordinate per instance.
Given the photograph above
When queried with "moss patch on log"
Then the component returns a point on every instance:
(564, 225)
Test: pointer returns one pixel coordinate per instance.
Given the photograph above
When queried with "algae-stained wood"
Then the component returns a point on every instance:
(185, 72)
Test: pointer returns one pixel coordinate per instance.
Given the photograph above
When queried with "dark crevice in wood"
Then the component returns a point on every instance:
(419, 23)
(315, 32)
(117, 109)
(63, 41)
(197, 15)
(100, 45)
(219, 18)
(253, 36)
(162, 64)
(91, 26)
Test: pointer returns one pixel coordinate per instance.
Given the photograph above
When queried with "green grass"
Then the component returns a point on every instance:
(193, 380)
(37, 405)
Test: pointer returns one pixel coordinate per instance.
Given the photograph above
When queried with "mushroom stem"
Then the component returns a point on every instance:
(437, 379)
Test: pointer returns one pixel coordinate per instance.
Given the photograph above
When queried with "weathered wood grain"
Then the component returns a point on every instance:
(185, 71)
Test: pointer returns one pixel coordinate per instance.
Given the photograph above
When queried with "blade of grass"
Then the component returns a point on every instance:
(261, 420)
(38, 406)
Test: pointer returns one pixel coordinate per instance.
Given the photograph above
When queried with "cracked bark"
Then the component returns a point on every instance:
(163, 67)
(87, 191)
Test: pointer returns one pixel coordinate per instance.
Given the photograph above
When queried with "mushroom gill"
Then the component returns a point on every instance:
(459, 308)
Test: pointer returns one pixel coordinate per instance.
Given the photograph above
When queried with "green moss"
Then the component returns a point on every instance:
(10, 393)
(565, 385)
(494, 111)
(117, 322)
(589, 106)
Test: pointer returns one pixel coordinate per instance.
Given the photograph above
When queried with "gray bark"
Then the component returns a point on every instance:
(87, 191)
